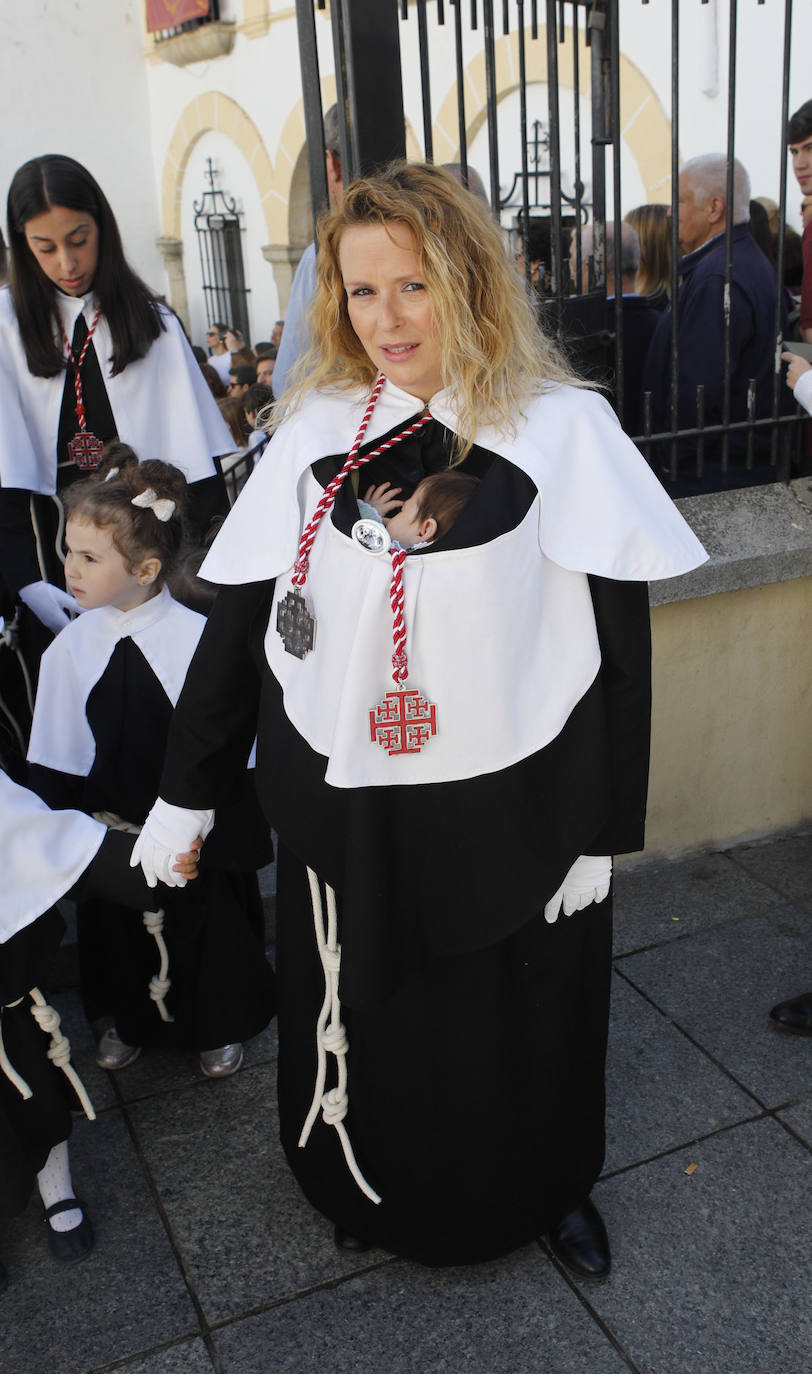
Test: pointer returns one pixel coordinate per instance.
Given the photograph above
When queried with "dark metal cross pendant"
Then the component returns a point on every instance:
(295, 625)
(85, 450)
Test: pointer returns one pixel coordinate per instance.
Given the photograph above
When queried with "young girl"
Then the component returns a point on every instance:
(107, 688)
(87, 354)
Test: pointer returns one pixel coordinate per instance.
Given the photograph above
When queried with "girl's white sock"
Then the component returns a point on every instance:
(55, 1184)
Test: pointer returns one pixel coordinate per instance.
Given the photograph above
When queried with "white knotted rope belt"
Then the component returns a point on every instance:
(331, 1035)
(160, 982)
(49, 1021)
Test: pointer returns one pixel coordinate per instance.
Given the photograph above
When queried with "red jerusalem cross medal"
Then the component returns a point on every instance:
(403, 721)
(295, 625)
(85, 450)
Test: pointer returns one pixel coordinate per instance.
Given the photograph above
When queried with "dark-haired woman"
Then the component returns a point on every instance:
(87, 354)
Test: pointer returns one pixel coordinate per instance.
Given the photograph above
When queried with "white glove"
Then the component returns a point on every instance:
(587, 881)
(49, 604)
(168, 831)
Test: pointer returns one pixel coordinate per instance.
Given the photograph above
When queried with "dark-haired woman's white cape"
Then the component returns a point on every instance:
(476, 1030)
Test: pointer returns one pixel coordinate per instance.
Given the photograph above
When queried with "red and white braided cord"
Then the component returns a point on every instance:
(77, 380)
(400, 663)
(300, 567)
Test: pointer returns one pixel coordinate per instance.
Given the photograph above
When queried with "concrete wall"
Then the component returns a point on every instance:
(732, 717)
(732, 672)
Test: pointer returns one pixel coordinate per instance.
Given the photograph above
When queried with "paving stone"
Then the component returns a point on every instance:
(128, 1296)
(170, 1071)
(655, 903)
(502, 1318)
(720, 985)
(190, 1357)
(799, 1118)
(660, 1089)
(246, 1232)
(711, 1272)
(785, 865)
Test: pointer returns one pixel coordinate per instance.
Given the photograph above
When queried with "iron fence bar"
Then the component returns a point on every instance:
(576, 82)
(425, 82)
(311, 89)
(440, 12)
(490, 99)
(700, 421)
(534, 19)
(505, 18)
(782, 215)
(555, 158)
(523, 130)
(348, 165)
(674, 369)
(596, 32)
(460, 90)
(784, 422)
(616, 194)
(731, 137)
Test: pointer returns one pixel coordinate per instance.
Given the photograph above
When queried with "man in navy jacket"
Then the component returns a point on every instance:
(701, 327)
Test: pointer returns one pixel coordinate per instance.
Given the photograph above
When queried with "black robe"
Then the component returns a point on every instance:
(477, 1031)
(222, 985)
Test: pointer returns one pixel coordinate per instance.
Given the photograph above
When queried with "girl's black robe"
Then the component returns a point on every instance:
(222, 985)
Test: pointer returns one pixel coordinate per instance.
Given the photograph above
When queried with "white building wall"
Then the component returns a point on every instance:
(74, 81)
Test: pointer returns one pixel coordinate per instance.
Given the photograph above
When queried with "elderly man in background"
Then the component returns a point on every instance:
(701, 318)
(640, 317)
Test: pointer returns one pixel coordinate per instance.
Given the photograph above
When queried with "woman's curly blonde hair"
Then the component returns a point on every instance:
(495, 355)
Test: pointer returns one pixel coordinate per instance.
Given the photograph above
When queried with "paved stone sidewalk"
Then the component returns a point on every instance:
(209, 1259)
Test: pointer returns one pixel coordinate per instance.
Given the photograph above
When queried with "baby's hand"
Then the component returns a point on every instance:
(797, 367)
(186, 864)
(385, 498)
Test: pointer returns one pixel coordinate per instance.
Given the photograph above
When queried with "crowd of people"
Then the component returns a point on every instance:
(448, 781)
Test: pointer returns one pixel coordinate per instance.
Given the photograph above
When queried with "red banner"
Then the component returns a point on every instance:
(168, 14)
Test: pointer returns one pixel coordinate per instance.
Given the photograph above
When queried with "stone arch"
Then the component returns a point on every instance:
(214, 111)
(644, 125)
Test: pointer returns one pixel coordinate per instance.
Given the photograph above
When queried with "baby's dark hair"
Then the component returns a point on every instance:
(106, 500)
(442, 497)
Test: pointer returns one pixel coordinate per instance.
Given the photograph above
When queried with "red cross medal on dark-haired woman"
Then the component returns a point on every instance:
(84, 449)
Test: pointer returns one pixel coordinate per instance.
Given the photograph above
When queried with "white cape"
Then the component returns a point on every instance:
(44, 852)
(501, 636)
(167, 635)
(161, 403)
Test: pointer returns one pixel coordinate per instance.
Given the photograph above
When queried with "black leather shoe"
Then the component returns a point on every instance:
(68, 1247)
(348, 1242)
(795, 1015)
(581, 1243)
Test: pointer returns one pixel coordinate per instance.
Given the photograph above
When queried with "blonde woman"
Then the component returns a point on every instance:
(652, 224)
(452, 740)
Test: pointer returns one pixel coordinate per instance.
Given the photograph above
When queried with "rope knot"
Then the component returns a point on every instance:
(59, 1051)
(47, 1018)
(158, 987)
(334, 1039)
(154, 921)
(334, 1107)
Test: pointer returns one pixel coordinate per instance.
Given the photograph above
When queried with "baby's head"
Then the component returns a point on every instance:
(124, 530)
(432, 508)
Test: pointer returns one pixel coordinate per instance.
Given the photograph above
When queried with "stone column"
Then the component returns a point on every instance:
(171, 250)
(284, 259)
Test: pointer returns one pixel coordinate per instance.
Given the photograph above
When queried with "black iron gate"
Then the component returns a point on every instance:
(372, 42)
(218, 225)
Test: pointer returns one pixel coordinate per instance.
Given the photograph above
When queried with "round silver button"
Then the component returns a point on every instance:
(372, 537)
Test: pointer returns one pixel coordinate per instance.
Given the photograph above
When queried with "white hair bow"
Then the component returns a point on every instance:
(162, 508)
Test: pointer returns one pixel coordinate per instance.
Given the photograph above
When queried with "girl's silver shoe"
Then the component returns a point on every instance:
(223, 1062)
(112, 1053)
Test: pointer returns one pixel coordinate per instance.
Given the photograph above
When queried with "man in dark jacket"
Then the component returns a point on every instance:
(701, 329)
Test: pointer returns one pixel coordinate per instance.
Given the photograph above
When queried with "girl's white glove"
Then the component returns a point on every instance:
(587, 881)
(168, 831)
(49, 604)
